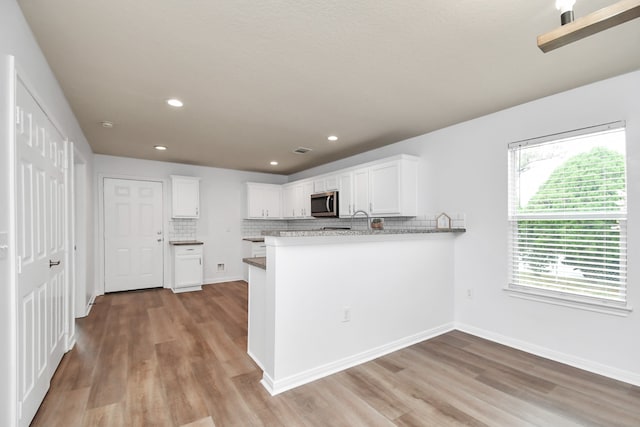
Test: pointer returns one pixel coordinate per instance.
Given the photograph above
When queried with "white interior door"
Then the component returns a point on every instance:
(132, 234)
(40, 214)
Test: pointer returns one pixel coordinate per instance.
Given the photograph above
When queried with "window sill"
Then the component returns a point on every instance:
(605, 308)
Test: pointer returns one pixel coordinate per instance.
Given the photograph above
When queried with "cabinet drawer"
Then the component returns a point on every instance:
(188, 250)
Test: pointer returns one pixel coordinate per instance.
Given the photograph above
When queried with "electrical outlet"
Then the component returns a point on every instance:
(221, 267)
(346, 314)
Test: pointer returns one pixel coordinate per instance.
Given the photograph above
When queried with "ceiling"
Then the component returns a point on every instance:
(260, 78)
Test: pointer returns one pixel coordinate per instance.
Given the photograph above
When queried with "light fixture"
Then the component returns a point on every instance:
(107, 124)
(603, 19)
(332, 138)
(566, 10)
(274, 163)
(175, 102)
(160, 147)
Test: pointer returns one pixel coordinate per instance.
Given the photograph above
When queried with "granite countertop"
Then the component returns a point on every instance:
(318, 233)
(254, 239)
(260, 262)
(185, 242)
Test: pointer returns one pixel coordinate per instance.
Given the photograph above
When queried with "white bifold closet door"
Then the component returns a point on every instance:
(41, 251)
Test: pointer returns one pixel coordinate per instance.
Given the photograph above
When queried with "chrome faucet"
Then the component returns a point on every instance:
(366, 214)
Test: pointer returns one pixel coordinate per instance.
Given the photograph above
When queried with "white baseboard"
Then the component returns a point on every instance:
(567, 359)
(186, 289)
(212, 281)
(278, 386)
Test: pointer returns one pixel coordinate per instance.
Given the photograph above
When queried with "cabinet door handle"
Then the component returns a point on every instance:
(370, 207)
(200, 261)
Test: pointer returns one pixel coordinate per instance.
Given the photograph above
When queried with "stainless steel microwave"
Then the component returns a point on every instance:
(325, 204)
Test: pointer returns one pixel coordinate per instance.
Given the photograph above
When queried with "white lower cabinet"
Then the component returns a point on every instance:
(187, 268)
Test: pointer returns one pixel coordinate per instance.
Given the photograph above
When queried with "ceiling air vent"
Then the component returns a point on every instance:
(301, 150)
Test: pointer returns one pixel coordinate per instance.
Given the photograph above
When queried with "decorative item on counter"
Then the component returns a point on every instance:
(443, 222)
(377, 223)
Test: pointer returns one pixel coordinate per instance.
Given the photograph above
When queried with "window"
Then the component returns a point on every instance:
(567, 216)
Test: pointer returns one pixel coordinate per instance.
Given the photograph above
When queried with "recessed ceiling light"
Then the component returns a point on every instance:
(107, 124)
(332, 138)
(160, 147)
(274, 163)
(175, 102)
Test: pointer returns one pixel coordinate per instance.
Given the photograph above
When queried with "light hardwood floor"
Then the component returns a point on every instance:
(153, 358)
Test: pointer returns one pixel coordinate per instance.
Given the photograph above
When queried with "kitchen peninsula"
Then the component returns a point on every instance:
(327, 300)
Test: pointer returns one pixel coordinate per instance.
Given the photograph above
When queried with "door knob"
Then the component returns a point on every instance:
(159, 240)
(53, 263)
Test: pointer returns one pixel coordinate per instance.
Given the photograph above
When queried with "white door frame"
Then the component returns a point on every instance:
(8, 293)
(80, 306)
(100, 241)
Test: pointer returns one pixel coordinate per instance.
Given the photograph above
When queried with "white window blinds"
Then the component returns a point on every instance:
(567, 214)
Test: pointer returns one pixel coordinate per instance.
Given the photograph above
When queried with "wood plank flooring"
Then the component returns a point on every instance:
(153, 358)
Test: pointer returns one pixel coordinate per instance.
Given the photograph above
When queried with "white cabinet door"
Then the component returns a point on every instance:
(187, 266)
(325, 183)
(331, 183)
(387, 189)
(345, 194)
(319, 186)
(296, 200)
(264, 201)
(361, 190)
(272, 202)
(185, 197)
(289, 202)
(306, 189)
(384, 189)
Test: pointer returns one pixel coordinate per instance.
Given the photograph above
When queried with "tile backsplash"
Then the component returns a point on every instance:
(182, 229)
(253, 228)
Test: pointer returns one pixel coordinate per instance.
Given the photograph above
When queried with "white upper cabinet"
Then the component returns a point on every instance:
(325, 183)
(385, 188)
(389, 188)
(297, 199)
(345, 194)
(264, 201)
(361, 190)
(185, 197)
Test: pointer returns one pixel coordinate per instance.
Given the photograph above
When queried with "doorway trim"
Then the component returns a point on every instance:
(100, 241)
(80, 307)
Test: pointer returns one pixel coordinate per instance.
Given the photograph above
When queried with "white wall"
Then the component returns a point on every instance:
(17, 40)
(221, 204)
(398, 290)
(468, 173)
